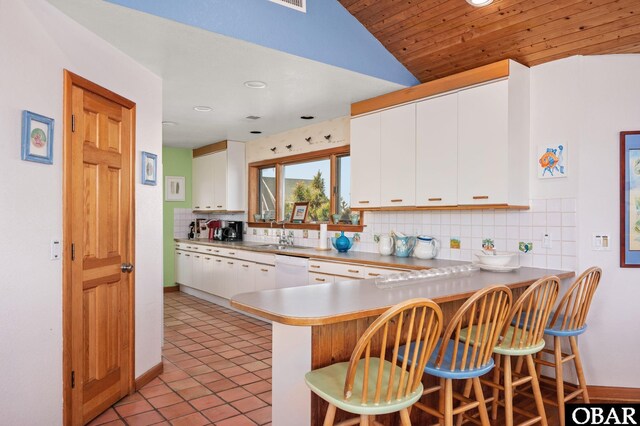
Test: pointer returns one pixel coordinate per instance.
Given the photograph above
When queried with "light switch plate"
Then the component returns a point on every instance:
(56, 249)
(601, 242)
(546, 241)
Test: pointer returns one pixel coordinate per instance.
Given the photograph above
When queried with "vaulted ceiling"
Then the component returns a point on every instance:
(436, 38)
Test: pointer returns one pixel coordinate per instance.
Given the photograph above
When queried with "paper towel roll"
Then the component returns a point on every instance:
(323, 236)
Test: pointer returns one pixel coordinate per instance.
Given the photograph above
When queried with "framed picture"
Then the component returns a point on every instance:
(149, 168)
(174, 188)
(37, 138)
(299, 213)
(552, 161)
(630, 199)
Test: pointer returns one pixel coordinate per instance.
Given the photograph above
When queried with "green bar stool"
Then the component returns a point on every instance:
(569, 321)
(369, 384)
(521, 338)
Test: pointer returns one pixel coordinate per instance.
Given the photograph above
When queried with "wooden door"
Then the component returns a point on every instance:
(365, 161)
(398, 156)
(437, 151)
(99, 234)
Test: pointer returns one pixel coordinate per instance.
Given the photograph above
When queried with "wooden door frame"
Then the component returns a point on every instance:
(70, 80)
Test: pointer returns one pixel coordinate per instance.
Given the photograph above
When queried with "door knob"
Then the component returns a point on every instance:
(126, 267)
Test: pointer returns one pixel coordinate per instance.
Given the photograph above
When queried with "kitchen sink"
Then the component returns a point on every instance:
(282, 247)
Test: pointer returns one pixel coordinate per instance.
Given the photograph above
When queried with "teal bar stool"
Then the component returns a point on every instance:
(371, 383)
(569, 321)
(521, 338)
(485, 312)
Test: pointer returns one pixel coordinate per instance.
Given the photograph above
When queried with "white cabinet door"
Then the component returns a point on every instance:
(320, 278)
(178, 265)
(398, 154)
(230, 278)
(186, 267)
(202, 182)
(236, 189)
(246, 279)
(207, 282)
(265, 277)
(219, 166)
(483, 126)
(197, 267)
(365, 161)
(218, 279)
(437, 151)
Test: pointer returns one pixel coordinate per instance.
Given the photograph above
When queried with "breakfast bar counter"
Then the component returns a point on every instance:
(315, 326)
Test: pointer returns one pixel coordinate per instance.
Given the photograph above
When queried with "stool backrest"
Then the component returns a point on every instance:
(483, 313)
(530, 313)
(573, 308)
(417, 321)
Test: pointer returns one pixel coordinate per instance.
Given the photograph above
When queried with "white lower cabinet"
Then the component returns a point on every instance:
(197, 266)
(183, 265)
(245, 277)
(265, 277)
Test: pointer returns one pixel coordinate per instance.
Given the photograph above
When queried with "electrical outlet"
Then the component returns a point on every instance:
(601, 242)
(546, 241)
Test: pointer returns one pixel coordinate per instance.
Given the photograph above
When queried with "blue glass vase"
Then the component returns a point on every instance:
(342, 243)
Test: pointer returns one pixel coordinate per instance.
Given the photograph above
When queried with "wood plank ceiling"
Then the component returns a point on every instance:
(436, 38)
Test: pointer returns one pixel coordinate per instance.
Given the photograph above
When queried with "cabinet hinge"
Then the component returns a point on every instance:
(73, 379)
(73, 251)
(73, 122)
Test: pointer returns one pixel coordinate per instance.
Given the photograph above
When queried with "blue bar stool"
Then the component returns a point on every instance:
(569, 320)
(369, 384)
(486, 312)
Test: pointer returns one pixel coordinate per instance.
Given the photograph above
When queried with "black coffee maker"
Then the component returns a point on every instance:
(233, 231)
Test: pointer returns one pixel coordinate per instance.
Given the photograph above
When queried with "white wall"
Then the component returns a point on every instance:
(587, 101)
(36, 43)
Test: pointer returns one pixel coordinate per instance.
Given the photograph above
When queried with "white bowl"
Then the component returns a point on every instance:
(500, 258)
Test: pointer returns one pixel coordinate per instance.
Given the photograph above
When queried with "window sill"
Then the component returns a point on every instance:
(314, 226)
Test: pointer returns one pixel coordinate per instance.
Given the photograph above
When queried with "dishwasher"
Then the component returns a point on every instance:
(291, 271)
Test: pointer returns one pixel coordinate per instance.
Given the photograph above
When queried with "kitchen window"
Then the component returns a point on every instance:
(322, 178)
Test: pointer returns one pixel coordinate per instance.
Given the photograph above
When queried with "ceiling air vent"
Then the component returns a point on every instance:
(299, 5)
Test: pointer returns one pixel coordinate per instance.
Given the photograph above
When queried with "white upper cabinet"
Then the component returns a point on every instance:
(437, 151)
(493, 141)
(398, 153)
(365, 161)
(219, 179)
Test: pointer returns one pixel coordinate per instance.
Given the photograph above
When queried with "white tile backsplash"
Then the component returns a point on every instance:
(506, 228)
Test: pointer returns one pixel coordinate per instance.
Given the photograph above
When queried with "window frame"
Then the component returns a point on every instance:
(253, 188)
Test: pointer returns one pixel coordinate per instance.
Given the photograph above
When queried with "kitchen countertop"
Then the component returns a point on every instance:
(364, 258)
(321, 304)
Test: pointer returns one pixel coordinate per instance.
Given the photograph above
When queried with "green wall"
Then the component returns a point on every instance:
(175, 162)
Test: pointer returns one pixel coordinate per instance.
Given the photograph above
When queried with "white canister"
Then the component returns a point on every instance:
(385, 245)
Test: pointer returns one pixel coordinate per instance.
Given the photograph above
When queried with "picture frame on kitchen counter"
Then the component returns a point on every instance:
(630, 199)
(174, 188)
(299, 212)
(149, 168)
(37, 138)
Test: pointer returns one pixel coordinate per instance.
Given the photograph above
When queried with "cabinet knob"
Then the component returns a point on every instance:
(218, 260)
(264, 270)
(187, 255)
(245, 266)
(480, 197)
(320, 280)
(196, 207)
(197, 257)
(230, 263)
(219, 207)
(207, 207)
(208, 249)
(353, 271)
(232, 253)
(314, 266)
(435, 199)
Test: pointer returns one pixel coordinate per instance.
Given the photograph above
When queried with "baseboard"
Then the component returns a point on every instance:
(613, 394)
(171, 289)
(149, 375)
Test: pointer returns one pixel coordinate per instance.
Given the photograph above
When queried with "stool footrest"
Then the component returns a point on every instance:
(572, 395)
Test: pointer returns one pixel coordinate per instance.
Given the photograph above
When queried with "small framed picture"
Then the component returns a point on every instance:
(37, 138)
(630, 199)
(174, 188)
(299, 213)
(149, 168)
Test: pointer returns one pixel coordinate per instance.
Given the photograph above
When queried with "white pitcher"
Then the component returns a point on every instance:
(426, 248)
(385, 245)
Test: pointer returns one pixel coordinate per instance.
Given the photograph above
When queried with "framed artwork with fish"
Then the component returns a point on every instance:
(551, 161)
(630, 199)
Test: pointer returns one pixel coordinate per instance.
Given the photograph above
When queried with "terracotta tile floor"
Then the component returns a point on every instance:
(217, 370)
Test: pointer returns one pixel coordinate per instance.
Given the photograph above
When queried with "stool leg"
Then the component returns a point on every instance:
(578, 362)
(496, 391)
(448, 402)
(441, 400)
(466, 392)
(557, 346)
(364, 420)
(330, 416)
(477, 389)
(538, 365)
(531, 367)
(508, 392)
(404, 417)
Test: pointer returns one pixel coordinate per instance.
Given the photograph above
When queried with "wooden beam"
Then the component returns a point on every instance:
(209, 149)
(472, 77)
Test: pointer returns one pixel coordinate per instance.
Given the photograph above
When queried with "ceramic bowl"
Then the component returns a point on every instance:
(500, 258)
(333, 243)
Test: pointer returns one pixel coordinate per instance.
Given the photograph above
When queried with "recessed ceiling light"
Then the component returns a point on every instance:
(169, 123)
(256, 132)
(202, 108)
(479, 3)
(255, 84)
